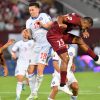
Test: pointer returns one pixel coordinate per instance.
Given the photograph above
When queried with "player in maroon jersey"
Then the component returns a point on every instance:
(2, 59)
(59, 35)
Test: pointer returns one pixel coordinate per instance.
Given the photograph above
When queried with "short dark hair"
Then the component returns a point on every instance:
(89, 19)
(34, 4)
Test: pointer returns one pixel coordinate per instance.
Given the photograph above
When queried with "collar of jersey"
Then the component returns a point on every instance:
(34, 17)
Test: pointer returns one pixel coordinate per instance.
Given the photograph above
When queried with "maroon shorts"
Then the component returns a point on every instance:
(57, 39)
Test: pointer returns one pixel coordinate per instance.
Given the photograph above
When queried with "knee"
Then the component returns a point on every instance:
(55, 89)
(75, 87)
(30, 70)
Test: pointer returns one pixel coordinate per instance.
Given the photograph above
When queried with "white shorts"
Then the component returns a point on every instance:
(21, 68)
(40, 54)
(56, 79)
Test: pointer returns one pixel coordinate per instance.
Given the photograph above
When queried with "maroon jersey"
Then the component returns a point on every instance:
(72, 21)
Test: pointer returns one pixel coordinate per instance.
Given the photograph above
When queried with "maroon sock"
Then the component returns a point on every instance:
(63, 78)
(92, 54)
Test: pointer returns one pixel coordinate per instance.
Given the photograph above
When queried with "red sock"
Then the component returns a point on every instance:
(92, 54)
(63, 78)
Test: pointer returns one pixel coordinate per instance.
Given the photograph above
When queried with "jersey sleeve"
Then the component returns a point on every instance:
(28, 24)
(73, 18)
(15, 47)
(46, 17)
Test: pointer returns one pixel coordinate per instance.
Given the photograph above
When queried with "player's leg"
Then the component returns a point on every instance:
(85, 47)
(42, 58)
(72, 39)
(63, 69)
(74, 87)
(53, 93)
(26, 81)
(19, 86)
(59, 46)
(73, 83)
(31, 77)
(54, 86)
(20, 73)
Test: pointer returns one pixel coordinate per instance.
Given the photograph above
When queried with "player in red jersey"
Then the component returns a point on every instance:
(59, 35)
(2, 59)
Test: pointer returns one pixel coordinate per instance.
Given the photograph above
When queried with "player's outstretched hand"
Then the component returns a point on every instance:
(10, 42)
(86, 34)
(5, 71)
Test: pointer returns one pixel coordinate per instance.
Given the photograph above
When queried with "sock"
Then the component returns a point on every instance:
(32, 79)
(92, 54)
(63, 78)
(73, 98)
(50, 99)
(38, 82)
(18, 89)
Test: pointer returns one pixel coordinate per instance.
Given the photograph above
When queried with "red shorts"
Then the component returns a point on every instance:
(57, 39)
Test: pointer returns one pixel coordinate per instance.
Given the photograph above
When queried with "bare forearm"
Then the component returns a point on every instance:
(47, 26)
(60, 19)
(4, 47)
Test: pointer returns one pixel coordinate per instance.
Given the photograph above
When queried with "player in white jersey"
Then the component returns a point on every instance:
(72, 82)
(23, 48)
(42, 46)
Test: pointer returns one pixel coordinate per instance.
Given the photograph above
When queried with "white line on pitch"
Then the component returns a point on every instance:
(46, 93)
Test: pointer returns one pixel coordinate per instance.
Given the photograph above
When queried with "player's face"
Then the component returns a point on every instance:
(26, 34)
(34, 11)
(85, 24)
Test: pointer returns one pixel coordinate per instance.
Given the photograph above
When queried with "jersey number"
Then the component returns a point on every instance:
(43, 55)
(61, 43)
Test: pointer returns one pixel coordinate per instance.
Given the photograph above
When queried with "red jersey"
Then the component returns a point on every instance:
(72, 21)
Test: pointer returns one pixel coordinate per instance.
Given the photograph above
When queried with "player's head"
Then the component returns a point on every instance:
(86, 22)
(26, 34)
(34, 9)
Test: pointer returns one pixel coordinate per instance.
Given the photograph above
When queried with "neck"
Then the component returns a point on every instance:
(25, 40)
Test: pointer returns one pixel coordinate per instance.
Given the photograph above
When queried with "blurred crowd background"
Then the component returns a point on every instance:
(14, 13)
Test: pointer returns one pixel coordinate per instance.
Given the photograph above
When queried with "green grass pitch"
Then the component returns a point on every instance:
(89, 88)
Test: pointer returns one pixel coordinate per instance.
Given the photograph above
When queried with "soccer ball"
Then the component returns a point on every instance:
(98, 61)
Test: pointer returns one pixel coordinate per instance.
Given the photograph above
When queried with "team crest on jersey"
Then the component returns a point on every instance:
(70, 53)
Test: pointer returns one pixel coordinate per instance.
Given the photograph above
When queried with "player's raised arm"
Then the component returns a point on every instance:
(61, 19)
(10, 42)
(47, 25)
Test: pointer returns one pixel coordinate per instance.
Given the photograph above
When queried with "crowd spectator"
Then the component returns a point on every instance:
(14, 13)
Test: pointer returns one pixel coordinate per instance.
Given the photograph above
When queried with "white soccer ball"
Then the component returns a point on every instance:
(98, 62)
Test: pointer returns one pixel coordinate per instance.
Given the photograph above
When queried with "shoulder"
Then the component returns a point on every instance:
(28, 20)
(44, 15)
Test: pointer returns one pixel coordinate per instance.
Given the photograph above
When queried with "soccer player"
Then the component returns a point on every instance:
(41, 47)
(72, 82)
(2, 59)
(21, 51)
(59, 35)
